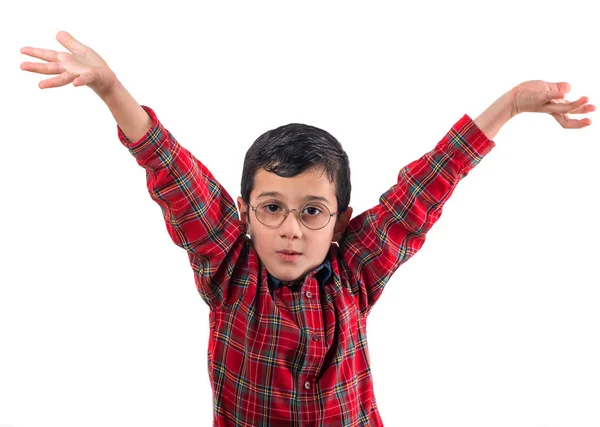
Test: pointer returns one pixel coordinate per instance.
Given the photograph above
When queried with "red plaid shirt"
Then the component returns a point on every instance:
(296, 356)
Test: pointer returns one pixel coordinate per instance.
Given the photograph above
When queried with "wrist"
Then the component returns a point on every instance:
(496, 115)
(506, 107)
(131, 118)
(112, 91)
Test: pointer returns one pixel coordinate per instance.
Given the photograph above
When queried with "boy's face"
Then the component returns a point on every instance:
(292, 235)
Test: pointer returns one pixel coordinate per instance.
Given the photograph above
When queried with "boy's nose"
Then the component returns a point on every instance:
(291, 226)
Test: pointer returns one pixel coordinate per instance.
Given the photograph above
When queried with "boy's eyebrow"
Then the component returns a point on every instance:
(277, 194)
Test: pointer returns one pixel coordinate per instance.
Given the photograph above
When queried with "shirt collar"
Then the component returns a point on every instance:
(322, 274)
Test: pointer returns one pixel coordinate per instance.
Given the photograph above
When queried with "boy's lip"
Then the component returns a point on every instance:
(287, 251)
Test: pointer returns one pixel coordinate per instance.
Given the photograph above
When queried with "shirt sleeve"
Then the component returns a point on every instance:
(380, 239)
(199, 214)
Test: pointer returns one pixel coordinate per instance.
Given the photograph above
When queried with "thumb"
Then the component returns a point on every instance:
(84, 79)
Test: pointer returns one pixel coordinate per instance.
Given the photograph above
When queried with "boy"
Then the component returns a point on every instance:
(291, 280)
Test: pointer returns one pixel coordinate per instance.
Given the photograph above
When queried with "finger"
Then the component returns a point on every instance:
(68, 41)
(587, 108)
(563, 87)
(45, 54)
(569, 123)
(58, 81)
(563, 108)
(41, 68)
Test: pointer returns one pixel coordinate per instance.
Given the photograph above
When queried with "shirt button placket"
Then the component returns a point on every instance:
(309, 294)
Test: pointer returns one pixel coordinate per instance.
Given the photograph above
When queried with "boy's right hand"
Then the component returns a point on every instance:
(83, 66)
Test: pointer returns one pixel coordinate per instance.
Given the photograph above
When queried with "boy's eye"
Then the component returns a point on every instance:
(312, 210)
(272, 207)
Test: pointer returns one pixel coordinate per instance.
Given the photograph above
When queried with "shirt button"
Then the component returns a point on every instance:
(308, 294)
(315, 337)
(307, 385)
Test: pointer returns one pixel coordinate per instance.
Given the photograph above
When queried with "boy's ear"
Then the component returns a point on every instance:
(243, 208)
(341, 224)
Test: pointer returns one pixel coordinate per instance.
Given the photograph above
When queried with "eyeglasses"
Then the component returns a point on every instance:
(313, 215)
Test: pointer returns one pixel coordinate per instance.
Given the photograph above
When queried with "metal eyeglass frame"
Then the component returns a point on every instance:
(287, 212)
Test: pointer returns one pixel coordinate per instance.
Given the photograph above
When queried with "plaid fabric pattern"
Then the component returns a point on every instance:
(296, 356)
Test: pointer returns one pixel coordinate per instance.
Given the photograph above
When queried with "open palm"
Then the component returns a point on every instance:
(538, 96)
(82, 66)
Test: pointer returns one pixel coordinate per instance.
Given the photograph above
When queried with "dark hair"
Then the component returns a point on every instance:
(292, 149)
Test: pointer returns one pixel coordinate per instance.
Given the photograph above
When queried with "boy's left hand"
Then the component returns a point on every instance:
(537, 96)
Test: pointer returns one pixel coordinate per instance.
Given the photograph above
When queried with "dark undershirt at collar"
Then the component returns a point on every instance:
(322, 275)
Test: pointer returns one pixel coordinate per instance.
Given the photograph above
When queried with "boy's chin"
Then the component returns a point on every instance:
(287, 274)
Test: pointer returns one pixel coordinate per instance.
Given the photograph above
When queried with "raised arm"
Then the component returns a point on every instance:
(380, 239)
(199, 214)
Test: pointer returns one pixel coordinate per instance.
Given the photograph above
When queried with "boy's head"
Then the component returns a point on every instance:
(300, 167)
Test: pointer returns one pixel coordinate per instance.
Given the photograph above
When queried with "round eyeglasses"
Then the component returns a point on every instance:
(313, 215)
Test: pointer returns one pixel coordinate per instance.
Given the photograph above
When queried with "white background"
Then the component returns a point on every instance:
(495, 322)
